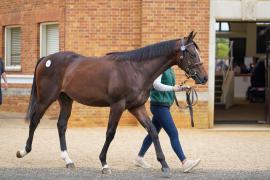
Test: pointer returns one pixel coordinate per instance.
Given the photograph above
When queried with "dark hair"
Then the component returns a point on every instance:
(147, 52)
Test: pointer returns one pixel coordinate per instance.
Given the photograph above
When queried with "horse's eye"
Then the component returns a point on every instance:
(192, 55)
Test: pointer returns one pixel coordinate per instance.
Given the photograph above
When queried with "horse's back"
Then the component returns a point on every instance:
(84, 79)
(95, 81)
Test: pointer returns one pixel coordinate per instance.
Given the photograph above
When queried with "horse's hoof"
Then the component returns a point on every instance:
(70, 165)
(106, 171)
(166, 173)
(18, 154)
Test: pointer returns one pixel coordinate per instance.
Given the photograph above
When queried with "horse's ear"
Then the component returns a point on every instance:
(190, 36)
(194, 35)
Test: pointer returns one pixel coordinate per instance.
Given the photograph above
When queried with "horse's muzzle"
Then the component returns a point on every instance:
(201, 80)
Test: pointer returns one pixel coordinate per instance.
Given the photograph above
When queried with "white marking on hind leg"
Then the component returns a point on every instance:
(106, 169)
(105, 166)
(23, 153)
(65, 157)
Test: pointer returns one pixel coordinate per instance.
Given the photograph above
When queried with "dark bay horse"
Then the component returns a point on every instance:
(120, 80)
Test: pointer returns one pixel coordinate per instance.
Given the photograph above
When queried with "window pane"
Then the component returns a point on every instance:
(15, 46)
(52, 39)
(225, 26)
(49, 39)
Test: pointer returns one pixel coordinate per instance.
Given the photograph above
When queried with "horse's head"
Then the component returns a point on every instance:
(189, 60)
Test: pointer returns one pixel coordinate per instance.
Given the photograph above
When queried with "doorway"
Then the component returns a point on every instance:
(237, 53)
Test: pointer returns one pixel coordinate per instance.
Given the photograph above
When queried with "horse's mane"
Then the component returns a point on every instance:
(147, 52)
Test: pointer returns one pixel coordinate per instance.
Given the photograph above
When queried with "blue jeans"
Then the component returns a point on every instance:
(162, 119)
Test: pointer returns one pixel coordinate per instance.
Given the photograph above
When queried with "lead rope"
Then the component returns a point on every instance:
(191, 100)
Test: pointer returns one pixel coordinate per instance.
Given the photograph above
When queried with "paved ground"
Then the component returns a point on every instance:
(225, 154)
(94, 174)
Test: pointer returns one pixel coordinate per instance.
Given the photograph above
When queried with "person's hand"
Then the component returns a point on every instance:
(5, 86)
(185, 87)
(177, 88)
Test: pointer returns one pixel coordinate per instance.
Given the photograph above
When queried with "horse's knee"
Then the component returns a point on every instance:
(61, 125)
(34, 123)
(110, 135)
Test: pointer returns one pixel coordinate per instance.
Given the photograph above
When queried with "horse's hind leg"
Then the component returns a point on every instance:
(66, 106)
(34, 121)
(115, 114)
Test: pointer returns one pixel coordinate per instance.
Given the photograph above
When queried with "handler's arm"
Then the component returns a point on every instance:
(5, 80)
(162, 87)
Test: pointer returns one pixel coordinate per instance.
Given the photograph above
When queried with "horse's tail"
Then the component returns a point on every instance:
(33, 97)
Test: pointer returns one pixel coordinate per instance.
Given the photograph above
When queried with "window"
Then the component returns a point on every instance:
(222, 26)
(13, 48)
(49, 39)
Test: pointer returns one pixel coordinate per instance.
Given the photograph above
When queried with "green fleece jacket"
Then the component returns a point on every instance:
(165, 98)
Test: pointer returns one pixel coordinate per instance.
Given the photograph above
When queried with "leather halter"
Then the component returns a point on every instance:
(189, 68)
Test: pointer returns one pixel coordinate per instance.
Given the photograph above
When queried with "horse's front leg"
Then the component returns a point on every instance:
(141, 114)
(116, 112)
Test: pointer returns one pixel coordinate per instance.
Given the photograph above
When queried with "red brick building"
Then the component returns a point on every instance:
(31, 29)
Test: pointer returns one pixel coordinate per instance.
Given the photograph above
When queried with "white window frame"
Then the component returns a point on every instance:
(16, 67)
(42, 36)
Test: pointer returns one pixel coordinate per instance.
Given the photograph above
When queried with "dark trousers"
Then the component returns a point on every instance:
(162, 119)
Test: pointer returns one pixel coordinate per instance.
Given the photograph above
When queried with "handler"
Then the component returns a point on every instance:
(161, 98)
(3, 74)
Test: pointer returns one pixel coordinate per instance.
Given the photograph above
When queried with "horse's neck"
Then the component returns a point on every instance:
(152, 68)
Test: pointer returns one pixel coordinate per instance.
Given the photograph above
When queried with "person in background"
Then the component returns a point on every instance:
(3, 75)
(258, 75)
(243, 68)
(236, 68)
(253, 64)
(161, 99)
(257, 79)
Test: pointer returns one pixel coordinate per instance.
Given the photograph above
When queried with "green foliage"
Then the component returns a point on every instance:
(222, 48)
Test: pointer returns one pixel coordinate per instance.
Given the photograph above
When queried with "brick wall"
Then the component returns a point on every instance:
(28, 15)
(170, 19)
(96, 27)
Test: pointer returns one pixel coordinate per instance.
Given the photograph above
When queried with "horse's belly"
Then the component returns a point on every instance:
(91, 98)
(97, 103)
